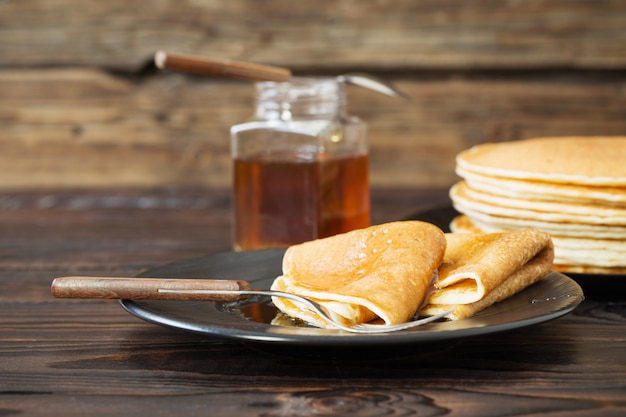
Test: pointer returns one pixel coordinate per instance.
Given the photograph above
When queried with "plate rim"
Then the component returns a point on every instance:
(258, 332)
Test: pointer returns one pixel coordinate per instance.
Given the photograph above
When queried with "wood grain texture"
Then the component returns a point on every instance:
(89, 357)
(394, 35)
(82, 110)
(122, 232)
(87, 128)
(81, 104)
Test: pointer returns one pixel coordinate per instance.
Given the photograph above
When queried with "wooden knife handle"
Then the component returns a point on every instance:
(147, 288)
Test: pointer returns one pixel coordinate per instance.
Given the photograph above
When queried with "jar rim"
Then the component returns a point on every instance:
(321, 96)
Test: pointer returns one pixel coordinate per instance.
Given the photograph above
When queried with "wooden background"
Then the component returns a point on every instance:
(81, 104)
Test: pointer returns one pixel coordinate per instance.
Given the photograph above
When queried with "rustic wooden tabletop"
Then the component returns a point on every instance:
(87, 357)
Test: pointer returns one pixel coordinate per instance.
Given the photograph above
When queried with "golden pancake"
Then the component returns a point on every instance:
(571, 187)
(481, 269)
(550, 211)
(589, 269)
(576, 160)
(489, 222)
(571, 254)
(607, 258)
(383, 271)
(463, 224)
(545, 191)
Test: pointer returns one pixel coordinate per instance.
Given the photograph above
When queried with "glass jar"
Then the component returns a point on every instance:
(300, 166)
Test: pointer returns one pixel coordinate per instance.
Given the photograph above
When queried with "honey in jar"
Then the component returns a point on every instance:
(300, 167)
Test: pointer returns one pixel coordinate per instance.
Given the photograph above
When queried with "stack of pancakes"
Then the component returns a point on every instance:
(571, 187)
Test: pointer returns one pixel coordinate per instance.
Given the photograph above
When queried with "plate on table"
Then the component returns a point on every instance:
(250, 320)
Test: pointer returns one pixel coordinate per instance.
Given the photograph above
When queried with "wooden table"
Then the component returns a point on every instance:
(90, 358)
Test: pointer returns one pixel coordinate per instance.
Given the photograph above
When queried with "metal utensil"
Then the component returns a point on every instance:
(202, 289)
(372, 83)
(201, 65)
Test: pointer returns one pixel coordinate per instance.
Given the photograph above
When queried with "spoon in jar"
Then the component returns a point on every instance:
(255, 72)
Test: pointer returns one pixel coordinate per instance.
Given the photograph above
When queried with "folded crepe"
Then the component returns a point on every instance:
(479, 270)
(381, 272)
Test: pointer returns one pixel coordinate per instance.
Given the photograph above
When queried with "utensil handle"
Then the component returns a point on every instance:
(221, 67)
(146, 288)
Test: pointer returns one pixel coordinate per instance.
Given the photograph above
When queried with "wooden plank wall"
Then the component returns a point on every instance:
(81, 104)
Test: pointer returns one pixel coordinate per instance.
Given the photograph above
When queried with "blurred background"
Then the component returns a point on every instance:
(82, 105)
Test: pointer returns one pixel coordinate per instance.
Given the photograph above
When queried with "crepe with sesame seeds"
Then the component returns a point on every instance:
(380, 272)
